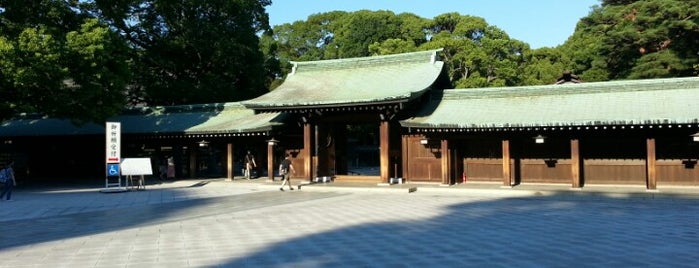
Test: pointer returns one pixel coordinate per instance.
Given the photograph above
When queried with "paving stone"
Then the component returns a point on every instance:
(232, 224)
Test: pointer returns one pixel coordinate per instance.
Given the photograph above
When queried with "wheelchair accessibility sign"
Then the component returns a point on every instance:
(112, 170)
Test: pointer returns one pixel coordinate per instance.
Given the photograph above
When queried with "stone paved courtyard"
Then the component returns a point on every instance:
(229, 224)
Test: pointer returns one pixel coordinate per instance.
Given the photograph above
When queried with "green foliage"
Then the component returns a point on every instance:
(59, 63)
(476, 54)
(198, 51)
(305, 40)
(638, 39)
(543, 66)
(619, 39)
(359, 29)
(85, 60)
(392, 46)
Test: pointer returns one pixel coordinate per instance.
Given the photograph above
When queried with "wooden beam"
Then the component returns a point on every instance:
(405, 141)
(651, 180)
(270, 161)
(575, 163)
(385, 151)
(506, 170)
(307, 145)
(446, 159)
(229, 161)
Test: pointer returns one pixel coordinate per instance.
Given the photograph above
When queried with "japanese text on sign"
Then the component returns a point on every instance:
(113, 134)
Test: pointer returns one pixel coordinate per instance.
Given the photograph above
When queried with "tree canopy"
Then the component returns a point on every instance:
(477, 54)
(617, 40)
(59, 62)
(88, 59)
(637, 39)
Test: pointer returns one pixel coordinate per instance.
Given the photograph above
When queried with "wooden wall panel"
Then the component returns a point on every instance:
(541, 171)
(426, 169)
(424, 161)
(677, 172)
(483, 169)
(615, 171)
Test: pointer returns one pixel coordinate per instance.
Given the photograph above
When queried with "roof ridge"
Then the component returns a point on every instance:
(191, 108)
(571, 89)
(347, 63)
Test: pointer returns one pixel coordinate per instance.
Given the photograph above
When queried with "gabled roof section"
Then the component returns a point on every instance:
(217, 118)
(355, 81)
(629, 102)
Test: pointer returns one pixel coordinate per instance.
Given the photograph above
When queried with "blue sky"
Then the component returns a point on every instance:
(540, 23)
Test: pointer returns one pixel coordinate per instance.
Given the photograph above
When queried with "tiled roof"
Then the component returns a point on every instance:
(628, 102)
(230, 118)
(36, 126)
(355, 81)
(198, 119)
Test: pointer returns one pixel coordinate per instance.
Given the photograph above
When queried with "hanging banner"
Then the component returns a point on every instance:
(113, 134)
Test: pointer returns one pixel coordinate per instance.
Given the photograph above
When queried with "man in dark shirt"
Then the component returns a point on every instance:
(285, 170)
(249, 165)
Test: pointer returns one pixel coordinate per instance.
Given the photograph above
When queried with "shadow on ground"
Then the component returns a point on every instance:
(536, 231)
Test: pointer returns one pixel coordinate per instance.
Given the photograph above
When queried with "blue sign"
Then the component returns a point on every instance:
(112, 170)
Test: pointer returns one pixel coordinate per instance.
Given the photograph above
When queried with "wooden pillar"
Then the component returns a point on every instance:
(575, 163)
(230, 168)
(384, 151)
(405, 141)
(506, 170)
(270, 161)
(651, 179)
(446, 159)
(307, 145)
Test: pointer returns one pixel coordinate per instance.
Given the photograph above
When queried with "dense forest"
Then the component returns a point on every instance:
(88, 60)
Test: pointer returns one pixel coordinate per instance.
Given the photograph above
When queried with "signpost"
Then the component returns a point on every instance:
(113, 158)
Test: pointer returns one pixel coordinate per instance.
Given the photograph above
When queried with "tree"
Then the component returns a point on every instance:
(413, 33)
(634, 39)
(304, 40)
(59, 63)
(360, 29)
(543, 66)
(196, 51)
(477, 54)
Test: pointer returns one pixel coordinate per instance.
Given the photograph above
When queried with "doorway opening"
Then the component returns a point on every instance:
(362, 150)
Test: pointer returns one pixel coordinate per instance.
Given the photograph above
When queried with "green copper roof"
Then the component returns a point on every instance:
(354, 81)
(630, 102)
(214, 118)
(197, 119)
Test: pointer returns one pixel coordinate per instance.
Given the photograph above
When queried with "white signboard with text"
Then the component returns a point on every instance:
(113, 134)
(136, 166)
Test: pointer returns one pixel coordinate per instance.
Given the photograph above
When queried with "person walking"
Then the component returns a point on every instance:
(7, 174)
(285, 169)
(249, 165)
(162, 168)
(171, 168)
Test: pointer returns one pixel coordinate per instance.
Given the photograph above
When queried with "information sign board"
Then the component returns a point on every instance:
(136, 166)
